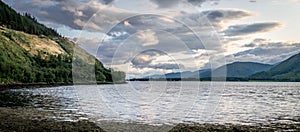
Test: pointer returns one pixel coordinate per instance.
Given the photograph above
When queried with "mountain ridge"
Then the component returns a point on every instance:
(235, 70)
(238, 69)
(287, 70)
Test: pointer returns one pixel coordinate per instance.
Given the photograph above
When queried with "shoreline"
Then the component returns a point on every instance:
(5, 86)
(177, 80)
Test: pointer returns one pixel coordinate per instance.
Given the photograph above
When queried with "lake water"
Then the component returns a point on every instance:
(165, 102)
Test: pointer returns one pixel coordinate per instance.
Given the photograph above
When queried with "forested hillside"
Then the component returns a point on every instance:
(33, 53)
(288, 70)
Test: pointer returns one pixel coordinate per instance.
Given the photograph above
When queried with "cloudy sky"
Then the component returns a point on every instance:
(160, 36)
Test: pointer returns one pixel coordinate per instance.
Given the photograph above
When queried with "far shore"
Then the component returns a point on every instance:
(4, 86)
(211, 79)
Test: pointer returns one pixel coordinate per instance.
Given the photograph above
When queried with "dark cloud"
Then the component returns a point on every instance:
(74, 14)
(51, 12)
(250, 45)
(60, 0)
(101, 1)
(108, 1)
(216, 16)
(197, 2)
(166, 3)
(172, 3)
(246, 29)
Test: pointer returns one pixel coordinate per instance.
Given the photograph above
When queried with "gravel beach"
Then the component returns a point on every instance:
(16, 119)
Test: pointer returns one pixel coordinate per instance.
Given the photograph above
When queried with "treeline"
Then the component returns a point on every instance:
(51, 70)
(37, 70)
(26, 23)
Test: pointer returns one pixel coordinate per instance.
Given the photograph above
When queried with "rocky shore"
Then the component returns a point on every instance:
(28, 120)
(236, 128)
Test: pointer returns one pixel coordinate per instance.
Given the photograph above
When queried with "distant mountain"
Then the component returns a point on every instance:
(238, 70)
(288, 70)
(233, 70)
(175, 75)
(186, 74)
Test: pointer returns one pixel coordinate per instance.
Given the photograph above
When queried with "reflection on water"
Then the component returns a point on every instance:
(165, 102)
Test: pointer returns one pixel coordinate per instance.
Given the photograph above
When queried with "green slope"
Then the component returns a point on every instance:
(288, 70)
(41, 55)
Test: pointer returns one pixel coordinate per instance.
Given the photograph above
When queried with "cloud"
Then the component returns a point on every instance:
(246, 29)
(148, 59)
(166, 3)
(145, 58)
(198, 2)
(163, 33)
(108, 1)
(74, 14)
(126, 23)
(256, 42)
(220, 16)
(259, 50)
(133, 35)
(147, 37)
(152, 58)
(226, 14)
(265, 51)
(250, 45)
(206, 24)
(138, 23)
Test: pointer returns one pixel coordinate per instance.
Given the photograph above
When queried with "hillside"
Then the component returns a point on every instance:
(238, 70)
(288, 70)
(41, 55)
